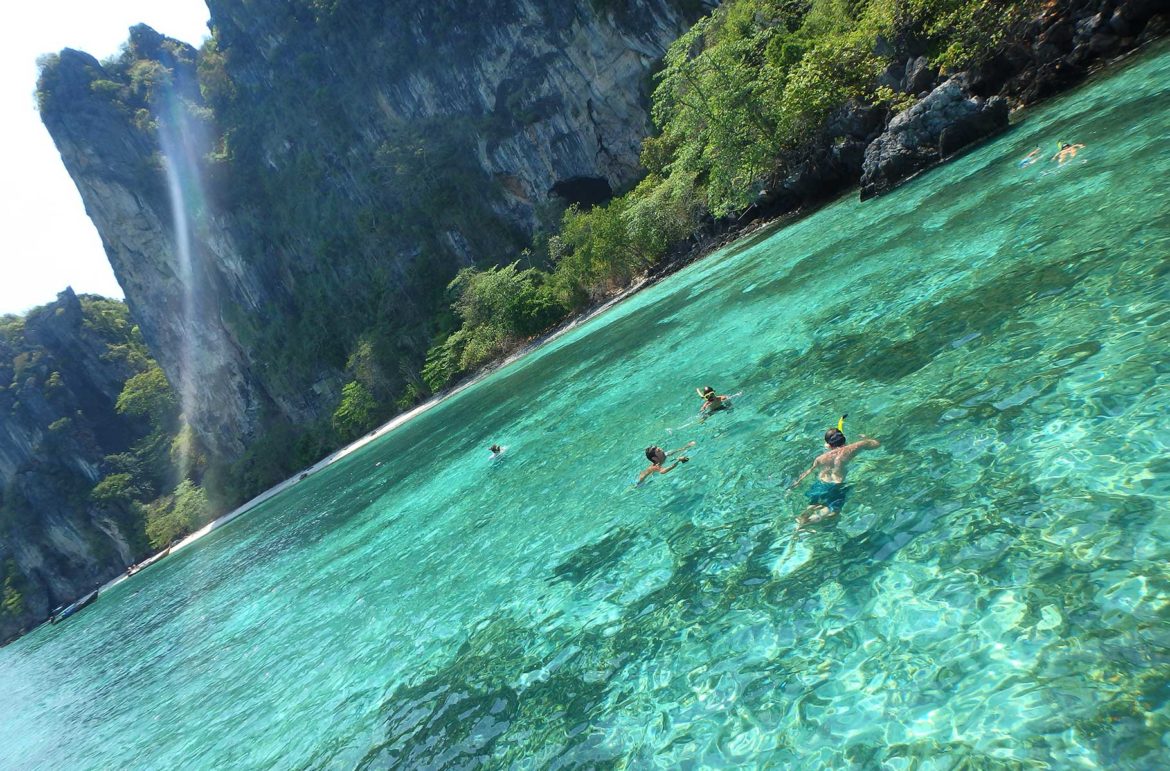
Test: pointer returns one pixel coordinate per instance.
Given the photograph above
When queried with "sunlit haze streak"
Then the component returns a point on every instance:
(180, 140)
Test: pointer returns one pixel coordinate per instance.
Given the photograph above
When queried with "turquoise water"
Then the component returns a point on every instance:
(995, 593)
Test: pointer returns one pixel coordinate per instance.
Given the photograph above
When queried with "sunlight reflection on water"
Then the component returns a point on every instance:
(993, 595)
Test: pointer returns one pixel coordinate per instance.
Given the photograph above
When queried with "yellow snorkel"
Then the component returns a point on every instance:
(841, 423)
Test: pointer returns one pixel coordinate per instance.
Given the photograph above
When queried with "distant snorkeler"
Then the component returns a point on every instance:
(497, 450)
(1030, 158)
(827, 494)
(657, 456)
(1066, 152)
(712, 402)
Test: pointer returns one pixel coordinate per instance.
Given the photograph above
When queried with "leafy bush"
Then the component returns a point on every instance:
(661, 213)
(594, 253)
(498, 307)
(149, 394)
(12, 590)
(442, 364)
(964, 32)
(187, 453)
(174, 516)
(117, 488)
(357, 412)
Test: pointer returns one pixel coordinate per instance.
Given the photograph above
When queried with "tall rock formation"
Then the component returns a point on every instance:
(317, 173)
(61, 371)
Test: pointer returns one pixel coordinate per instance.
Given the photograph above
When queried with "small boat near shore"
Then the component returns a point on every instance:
(147, 562)
(60, 614)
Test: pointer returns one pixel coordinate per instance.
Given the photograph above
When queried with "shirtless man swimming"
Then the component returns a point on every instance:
(657, 456)
(827, 495)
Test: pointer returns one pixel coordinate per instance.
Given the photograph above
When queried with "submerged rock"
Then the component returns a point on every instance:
(947, 120)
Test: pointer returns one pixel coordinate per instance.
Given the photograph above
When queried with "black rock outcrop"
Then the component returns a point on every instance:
(948, 119)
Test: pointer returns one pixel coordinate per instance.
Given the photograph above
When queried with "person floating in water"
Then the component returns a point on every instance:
(1066, 152)
(712, 402)
(827, 494)
(1030, 158)
(657, 456)
(496, 449)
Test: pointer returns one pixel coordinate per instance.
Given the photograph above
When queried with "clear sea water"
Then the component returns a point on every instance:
(995, 593)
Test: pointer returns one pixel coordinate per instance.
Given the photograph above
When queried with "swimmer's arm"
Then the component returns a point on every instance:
(655, 470)
(865, 443)
(800, 478)
(680, 449)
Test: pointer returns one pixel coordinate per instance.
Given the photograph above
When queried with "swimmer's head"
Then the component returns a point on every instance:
(497, 448)
(654, 454)
(707, 392)
(834, 438)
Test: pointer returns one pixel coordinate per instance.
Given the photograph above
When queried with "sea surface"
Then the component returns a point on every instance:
(995, 593)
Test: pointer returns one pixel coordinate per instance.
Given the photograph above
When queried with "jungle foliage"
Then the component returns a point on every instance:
(748, 86)
(150, 462)
(744, 88)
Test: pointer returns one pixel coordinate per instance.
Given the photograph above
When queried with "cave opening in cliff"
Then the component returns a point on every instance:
(586, 192)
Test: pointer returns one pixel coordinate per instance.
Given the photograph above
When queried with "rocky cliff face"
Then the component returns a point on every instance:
(869, 147)
(59, 381)
(174, 258)
(321, 170)
(1056, 51)
(944, 121)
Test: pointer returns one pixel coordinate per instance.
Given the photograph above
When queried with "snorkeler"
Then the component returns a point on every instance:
(1066, 152)
(496, 449)
(1030, 158)
(657, 456)
(827, 495)
(712, 402)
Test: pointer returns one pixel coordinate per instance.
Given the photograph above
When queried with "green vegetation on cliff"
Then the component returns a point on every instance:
(12, 591)
(97, 459)
(348, 207)
(744, 92)
(348, 211)
(339, 163)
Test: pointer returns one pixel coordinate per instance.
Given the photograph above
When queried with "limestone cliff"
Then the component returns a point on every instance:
(317, 173)
(61, 370)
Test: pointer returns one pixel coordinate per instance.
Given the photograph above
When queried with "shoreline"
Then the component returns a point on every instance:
(699, 252)
(762, 225)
